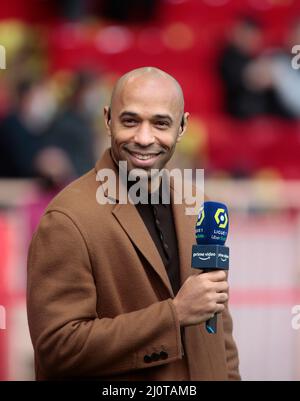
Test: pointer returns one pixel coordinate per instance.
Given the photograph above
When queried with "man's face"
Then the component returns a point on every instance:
(145, 123)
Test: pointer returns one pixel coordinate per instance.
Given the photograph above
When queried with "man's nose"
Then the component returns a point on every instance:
(144, 135)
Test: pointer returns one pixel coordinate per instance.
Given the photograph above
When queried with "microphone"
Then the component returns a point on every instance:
(210, 253)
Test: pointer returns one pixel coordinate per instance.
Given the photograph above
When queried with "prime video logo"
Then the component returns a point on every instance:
(2, 318)
(2, 58)
(204, 255)
(186, 190)
(209, 255)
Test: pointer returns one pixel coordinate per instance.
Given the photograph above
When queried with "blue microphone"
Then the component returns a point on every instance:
(210, 253)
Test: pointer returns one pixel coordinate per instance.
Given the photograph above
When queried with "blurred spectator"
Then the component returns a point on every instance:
(242, 98)
(38, 141)
(285, 78)
(72, 10)
(18, 144)
(130, 10)
(71, 132)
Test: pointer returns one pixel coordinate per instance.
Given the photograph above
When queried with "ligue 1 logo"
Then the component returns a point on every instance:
(221, 218)
(200, 216)
(212, 223)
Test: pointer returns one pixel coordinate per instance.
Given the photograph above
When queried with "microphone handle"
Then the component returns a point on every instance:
(211, 324)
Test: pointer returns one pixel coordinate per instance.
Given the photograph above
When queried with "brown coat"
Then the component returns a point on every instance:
(100, 301)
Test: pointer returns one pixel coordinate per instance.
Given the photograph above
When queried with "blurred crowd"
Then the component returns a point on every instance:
(51, 125)
(43, 136)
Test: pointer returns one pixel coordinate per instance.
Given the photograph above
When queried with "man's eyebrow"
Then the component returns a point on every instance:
(163, 117)
(154, 117)
(128, 114)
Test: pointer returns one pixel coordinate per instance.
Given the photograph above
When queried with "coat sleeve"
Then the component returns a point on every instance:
(231, 351)
(68, 336)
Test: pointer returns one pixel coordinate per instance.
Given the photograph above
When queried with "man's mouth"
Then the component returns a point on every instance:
(143, 159)
(144, 156)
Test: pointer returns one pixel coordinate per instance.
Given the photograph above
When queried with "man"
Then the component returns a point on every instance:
(243, 98)
(111, 294)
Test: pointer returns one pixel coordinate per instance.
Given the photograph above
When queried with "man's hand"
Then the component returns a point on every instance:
(200, 297)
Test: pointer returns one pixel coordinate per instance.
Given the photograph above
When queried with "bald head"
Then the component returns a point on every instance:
(154, 79)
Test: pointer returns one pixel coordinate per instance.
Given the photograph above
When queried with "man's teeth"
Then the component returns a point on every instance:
(143, 157)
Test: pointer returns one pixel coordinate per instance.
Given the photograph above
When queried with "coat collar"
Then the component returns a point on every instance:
(131, 222)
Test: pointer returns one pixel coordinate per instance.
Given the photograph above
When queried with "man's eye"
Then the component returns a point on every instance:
(162, 124)
(129, 122)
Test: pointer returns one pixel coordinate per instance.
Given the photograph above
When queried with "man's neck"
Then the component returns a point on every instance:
(153, 183)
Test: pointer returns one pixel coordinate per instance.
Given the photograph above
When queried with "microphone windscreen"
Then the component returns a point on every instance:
(212, 224)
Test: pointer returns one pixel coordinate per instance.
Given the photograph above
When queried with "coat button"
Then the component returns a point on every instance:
(147, 359)
(163, 355)
(155, 356)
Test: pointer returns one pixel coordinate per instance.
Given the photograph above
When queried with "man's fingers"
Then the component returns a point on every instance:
(221, 286)
(218, 275)
(222, 297)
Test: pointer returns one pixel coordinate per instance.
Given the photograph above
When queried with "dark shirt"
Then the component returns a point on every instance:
(158, 218)
(160, 223)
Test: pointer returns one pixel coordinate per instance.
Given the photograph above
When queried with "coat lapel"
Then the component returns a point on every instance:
(133, 225)
(131, 222)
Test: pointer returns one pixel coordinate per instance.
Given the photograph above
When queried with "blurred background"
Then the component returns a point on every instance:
(234, 61)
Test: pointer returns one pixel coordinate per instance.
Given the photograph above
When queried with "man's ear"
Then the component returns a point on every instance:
(107, 119)
(183, 125)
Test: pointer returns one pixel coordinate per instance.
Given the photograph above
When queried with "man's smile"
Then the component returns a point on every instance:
(143, 159)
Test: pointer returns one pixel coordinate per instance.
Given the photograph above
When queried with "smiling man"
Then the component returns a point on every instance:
(111, 292)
